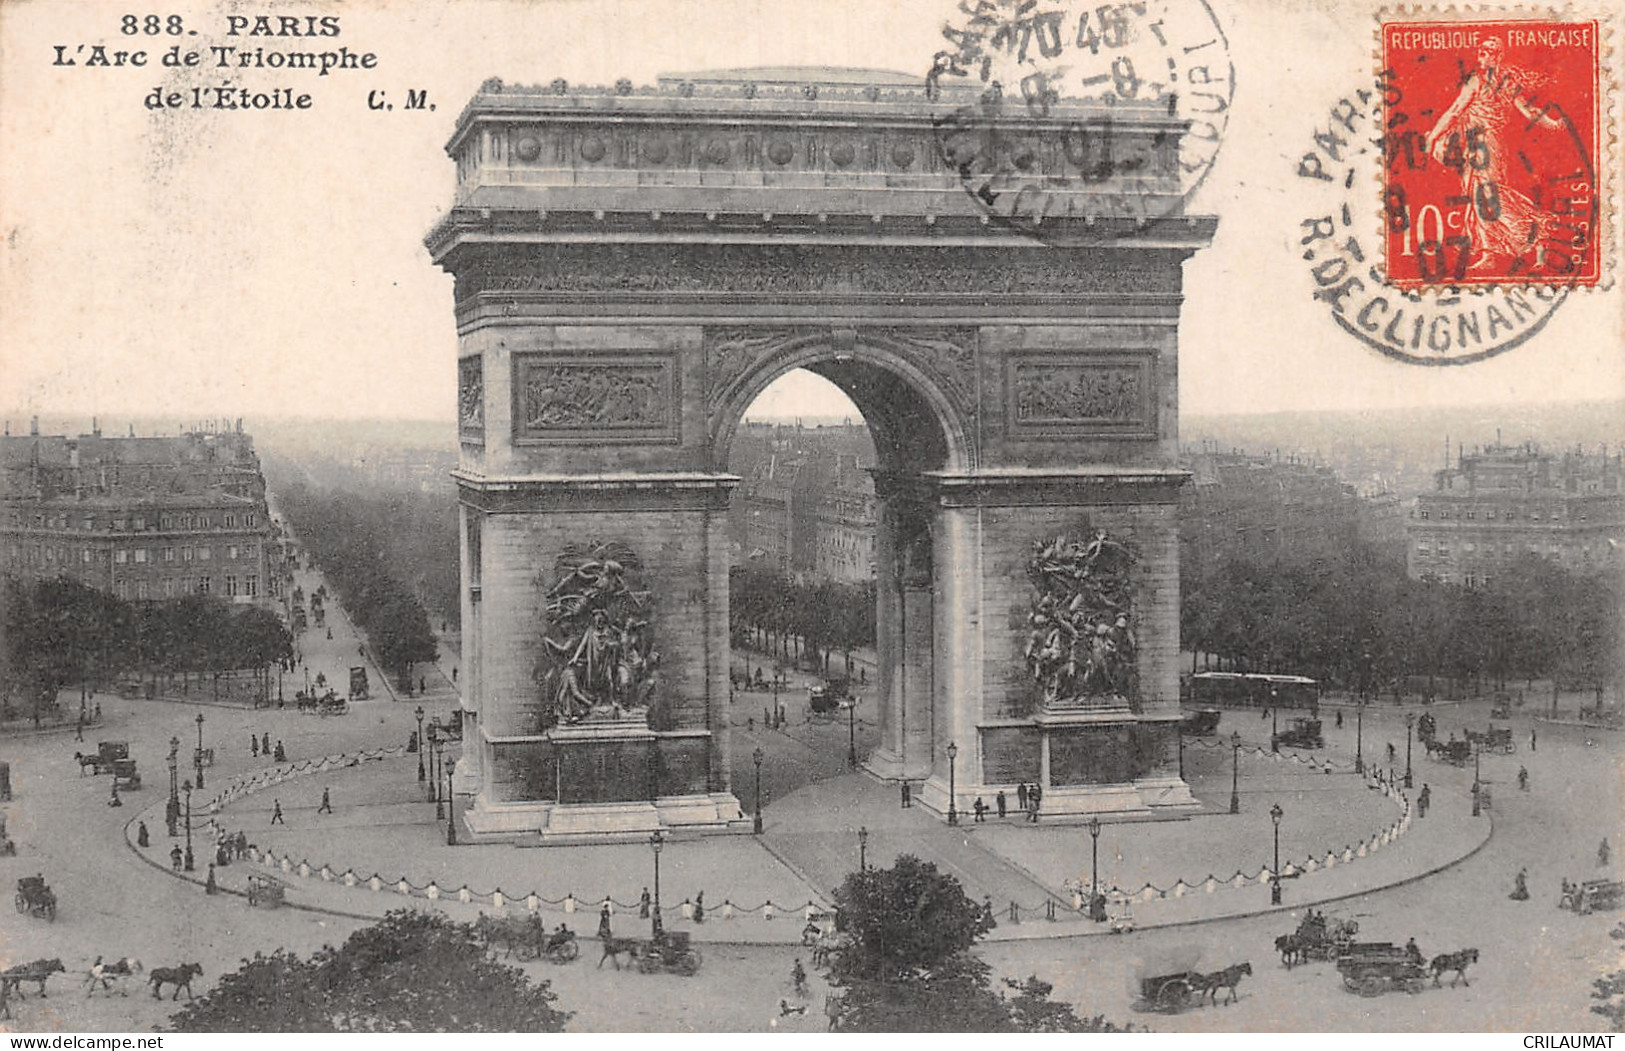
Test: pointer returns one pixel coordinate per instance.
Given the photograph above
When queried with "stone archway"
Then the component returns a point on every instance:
(631, 271)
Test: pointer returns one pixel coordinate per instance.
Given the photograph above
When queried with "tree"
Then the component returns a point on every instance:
(411, 972)
(911, 969)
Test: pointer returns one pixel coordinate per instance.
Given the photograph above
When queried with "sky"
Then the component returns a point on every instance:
(183, 263)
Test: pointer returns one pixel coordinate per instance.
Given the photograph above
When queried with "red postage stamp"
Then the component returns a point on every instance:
(1492, 147)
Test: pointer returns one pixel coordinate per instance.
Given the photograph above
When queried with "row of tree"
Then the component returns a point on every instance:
(779, 615)
(1358, 621)
(58, 632)
(345, 537)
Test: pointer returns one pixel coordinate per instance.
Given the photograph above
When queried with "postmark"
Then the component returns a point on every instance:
(1492, 153)
(1341, 250)
(1064, 109)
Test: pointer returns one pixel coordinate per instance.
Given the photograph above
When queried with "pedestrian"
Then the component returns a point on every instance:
(908, 795)
(603, 923)
(454, 675)
(97, 718)
(142, 839)
(276, 812)
(1339, 718)
(1603, 853)
(643, 904)
(175, 858)
(1423, 799)
(115, 800)
(209, 885)
(327, 803)
(1531, 738)
(699, 907)
(281, 756)
(980, 810)
(1036, 794)
(1520, 887)
(423, 684)
(265, 744)
(798, 978)
(987, 912)
(1021, 796)
(330, 633)
(254, 745)
(1391, 752)
(79, 728)
(1000, 802)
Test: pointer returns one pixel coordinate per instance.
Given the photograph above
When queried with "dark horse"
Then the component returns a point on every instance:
(615, 948)
(12, 978)
(1453, 961)
(1291, 947)
(180, 977)
(1209, 984)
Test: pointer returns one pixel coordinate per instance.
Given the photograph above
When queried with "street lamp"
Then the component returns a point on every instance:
(440, 766)
(451, 806)
(863, 848)
(198, 758)
(953, 755)
(1274, 747)
(852, 733)
(1276, 813)
(656, 841)
(1478, 781)
(187, 787)
(1410, 722)
(174, 765)
(1359, 735)
(756, 824)
(419, 749)
(1094, 866)
(1235, 773)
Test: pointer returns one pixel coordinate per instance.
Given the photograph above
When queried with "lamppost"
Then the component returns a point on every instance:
(852, 733)
(419, 714)
(1094, 866)
(1478, 782)
(1410, 722)
(451, 807)
(863, 848)
(440, 766)
(172, 809)
(656, 841)
(1276, 813)
(197, 759)
(1359, 717)
(953, 755)
(187, 787)
(1274, 734)
(756, 823)
(1235, 773)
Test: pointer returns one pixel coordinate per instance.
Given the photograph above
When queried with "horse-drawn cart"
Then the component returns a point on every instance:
(1456, 753)
(1200, 722)
(266, 890)
(1591, 895)
(1166, 981)
(1373, 968)
(35, 898)
(1496, 739)
(668, 951)
(1303, 733)
(1317, 938)
(125, 776)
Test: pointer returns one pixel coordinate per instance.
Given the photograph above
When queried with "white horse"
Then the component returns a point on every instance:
(105, 973)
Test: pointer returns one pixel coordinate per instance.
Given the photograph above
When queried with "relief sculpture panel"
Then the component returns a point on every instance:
(1099, 396)
(1080, 644)
(591, 400)
(471, 398)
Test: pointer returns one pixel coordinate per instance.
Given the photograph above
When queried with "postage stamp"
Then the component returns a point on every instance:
(1493, 151)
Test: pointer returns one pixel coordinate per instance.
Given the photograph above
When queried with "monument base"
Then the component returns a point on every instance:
(547, 823)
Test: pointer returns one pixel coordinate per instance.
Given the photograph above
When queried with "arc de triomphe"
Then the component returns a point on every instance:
(635, 265)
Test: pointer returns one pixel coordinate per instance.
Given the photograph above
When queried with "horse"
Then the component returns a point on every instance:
(92, 761)
(615, 948)
(1453, 961)
(180, 977)
(12, 978)
(830, 944)
(1209, 984)
(122, 970)
(1292, 949)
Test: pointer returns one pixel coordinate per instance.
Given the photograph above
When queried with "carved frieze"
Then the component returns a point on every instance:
(1081, 396)
(825, 272)
(630, 397)
(598, 660)
(471, 398)
(1080, 643)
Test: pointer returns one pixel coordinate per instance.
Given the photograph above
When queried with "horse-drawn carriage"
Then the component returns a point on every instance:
(101, 761)
(1316, 938)
(1373, 968)
(360, 688)
(1454, 752)
(1591, 895)
(125, 776)
(1501, 707)
(329, 703)
(1202, 722)
(266, 890)
(1496, 739)
(828, 698)
(35, 898)
(1166, 980)
(1303, 733)
(666, 951)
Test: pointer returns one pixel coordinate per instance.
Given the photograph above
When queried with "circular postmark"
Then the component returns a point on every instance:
(1339, 241)
(1056, 109)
